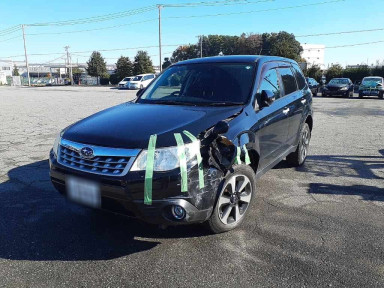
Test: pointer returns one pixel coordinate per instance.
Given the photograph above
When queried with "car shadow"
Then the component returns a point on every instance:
(366, 167)
(39, 224)
(366, 192)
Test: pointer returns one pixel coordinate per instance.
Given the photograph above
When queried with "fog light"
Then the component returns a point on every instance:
(178, 212)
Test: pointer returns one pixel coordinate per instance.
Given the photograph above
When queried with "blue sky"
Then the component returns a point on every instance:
(329, 17)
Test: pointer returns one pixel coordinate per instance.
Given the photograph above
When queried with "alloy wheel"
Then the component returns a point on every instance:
(234, 199)
(305, 137)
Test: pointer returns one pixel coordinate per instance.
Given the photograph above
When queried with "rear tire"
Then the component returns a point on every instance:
(234, 199)
(360, 95)
(381, 94)
(298, 157)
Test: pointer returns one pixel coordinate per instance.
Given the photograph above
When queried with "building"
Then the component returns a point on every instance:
(313, 54)
(5, 71)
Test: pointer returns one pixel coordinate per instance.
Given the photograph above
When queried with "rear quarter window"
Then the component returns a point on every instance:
(289, 81)
(299, 76)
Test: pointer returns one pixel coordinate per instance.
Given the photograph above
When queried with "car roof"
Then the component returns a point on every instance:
(145, 74)
(373, 77)
(235, 59)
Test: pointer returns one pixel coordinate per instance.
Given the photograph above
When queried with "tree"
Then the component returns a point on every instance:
(334, 71)
(282, 44)
(124, 67)
(15, 71)
(185, 52)
(314, 72)
(167, 62)
(250, 44)
(143, 63)
(96, 65)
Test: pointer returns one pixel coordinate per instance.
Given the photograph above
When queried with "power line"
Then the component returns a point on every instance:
(215, 3)
(10, 39)
(10, 30)
(255, 11)
(342, 32)
(99, 18)
(89, 30)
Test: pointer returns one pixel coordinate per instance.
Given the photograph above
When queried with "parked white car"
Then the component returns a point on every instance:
(125, 82)
(141, 81)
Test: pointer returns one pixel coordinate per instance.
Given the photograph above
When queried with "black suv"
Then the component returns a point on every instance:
(190, 147)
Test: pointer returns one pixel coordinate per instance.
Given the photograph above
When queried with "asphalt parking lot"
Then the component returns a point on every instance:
(318, 225)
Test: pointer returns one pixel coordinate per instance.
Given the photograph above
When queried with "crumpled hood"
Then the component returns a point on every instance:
(130, 125)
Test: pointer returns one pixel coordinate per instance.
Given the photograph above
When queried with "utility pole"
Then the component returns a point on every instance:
(201, 46)
(69, 64)
(160, 58)
(26, 56)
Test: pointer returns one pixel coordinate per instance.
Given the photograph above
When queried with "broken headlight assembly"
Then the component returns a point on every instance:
(167, 158)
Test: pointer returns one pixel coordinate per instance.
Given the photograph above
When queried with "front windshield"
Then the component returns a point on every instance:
(127, 79)
(202, 84)
(137, 78)
(370, 80)
(339, 81)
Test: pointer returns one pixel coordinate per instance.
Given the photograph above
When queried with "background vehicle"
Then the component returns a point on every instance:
(125, 82)
(141, 81)
(372, 86)
(247, 113)
(313, 85)
(338, 86)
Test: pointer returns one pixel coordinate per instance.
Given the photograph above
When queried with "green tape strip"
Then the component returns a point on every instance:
(149, 170)
(247, 159)
(238, 152)
(199, 159)
(183, 161)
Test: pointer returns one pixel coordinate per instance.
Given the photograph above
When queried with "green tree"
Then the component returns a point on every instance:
(250, 44)
(124, 67)
(143, 63)
(96, 65)
(282, 44)
(185, 52)
(15, 71)
(334, 71)
(314, 72)
(357, 74)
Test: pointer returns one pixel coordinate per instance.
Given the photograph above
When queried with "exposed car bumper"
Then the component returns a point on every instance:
(125, 194)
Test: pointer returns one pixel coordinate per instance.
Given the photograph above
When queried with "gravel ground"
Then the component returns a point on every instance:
(315, 226)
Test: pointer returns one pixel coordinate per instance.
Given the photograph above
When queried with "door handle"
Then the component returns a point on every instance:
(303, 101)
(285, 111)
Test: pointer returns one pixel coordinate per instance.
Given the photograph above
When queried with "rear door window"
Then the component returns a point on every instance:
(270, 82)
(289, 81)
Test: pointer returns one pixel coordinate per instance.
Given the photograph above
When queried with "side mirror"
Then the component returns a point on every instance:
(140, 92)
(267, 98)
(221, 127)
(379, 84)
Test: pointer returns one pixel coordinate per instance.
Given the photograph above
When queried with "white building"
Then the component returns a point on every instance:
(5, 71)
(313, 54)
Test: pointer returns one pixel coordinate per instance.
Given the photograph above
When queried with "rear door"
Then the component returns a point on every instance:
(272, 124)
(298, 95)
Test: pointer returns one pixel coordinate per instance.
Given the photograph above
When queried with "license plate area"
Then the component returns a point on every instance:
(83, 191)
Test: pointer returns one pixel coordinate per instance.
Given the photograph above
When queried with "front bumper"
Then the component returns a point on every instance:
(370, 92)
(335, 93)
(125, 194)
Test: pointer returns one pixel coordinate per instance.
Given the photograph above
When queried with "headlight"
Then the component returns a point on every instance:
(56, 144)
(344, 89)
(166, 158)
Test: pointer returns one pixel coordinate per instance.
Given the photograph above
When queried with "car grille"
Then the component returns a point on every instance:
(117, 163)
(333, 88)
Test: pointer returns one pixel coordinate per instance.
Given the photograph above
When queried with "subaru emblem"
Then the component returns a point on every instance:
(86, 152)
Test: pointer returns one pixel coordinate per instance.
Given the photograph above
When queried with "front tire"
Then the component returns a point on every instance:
(298, 157)
(234, 199)
(381, 95)
(361, 95)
